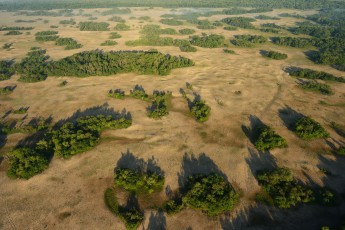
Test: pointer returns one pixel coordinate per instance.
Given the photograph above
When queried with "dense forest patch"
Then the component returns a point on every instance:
(241, 22)
(69, 43)
(208, 41)
(6, 70)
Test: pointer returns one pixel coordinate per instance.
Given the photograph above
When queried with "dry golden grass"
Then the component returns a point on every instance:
(69, 195)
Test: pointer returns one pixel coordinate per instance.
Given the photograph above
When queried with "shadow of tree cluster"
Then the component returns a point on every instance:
(259, 161)
(129, 161)
(157, 221)
(289, 116)
(252, 131)
(192, 165)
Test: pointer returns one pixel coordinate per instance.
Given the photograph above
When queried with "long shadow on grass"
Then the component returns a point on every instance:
(157, 221)
(192, 165)
(289, 116)
(129, 161)
(260, 161)
(251, 131)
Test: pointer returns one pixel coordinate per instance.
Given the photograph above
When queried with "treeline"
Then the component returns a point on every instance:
(4, 28)
(65, 4)
(313, 74)
(93, 26)
(98, 63)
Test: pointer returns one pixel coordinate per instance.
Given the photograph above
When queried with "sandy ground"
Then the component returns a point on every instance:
(69, 194)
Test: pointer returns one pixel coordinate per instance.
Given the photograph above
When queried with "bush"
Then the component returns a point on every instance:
(6, 90)
(159, 107)
(265, 17)
(7, 46)
(283, 188)
(117, 19)
(116, 93)
(173, 206)
(186, 31)
(71, 139)
(70, 43)
(229, 51)
(211, 194)
(32, 68)
(68, 22)
(25, 163)
(170, 31)
(64, 83)
(145, 18)
(93, 26)
(134, 181)
(317, 87)
(340, 151)
(6, 70)
(230, 28)
(47, 38)
(325, 197)
(181, 42)
(200, 110)
(248, 40)
(207, 41)
(308, 129)
(241, 22)
(270, 30)
(313, 74)
(138, 92)
(122, 27)
(109, 43)
(187, 48)
(267, 139)
(294, 41)
(6, 28)
(111, 200)
(171, 22)
(114, 35)
(22, 110)
(275, 55)
(13, 32)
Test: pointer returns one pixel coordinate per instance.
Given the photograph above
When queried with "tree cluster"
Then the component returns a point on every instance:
(13, 32)
(93, 26)
(122, 27)
(241, 22)
(208, 41)
(109, 43)
(275, 55)
(313, 85)
(69, 43)
(44, 36)
(6, 70)
(159, 106)
(313, 74)
(68, 22)
(248, 40)
(116, 93)
(33, 67)
(266, 139)
(308, 129)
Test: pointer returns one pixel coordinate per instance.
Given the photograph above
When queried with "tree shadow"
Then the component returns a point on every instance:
(259, 161)
(94, 111)
(251, 131)
(6, 114)
(256, 217)
(129, 161)
(289, 116)
(312, 55)
(263, 52)
(131, 203)
(338, 129)
(157, 221)
(192, 165)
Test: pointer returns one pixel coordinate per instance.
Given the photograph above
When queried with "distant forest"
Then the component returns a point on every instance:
(73, 4)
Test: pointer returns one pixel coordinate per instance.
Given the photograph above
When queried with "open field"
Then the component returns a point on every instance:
(237, 87)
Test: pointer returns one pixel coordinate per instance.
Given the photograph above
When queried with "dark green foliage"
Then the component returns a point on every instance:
(33, 126)
(68, 22)
(283, 189)
(74, 138)
(270, 30)
(131, 217)
(173, 206)
(316, 86)
(109, 63)
(150, 37)
(171, 22)
(6, 90)
(25, 21)
(204, 25)
(64, 12)
(207, 41)
(181, 42)
(69, 43)
(170, 31)
(267, 139)
(33, 67)
(134, 181)
(272, 25)
(325, 197)
(93, 26)
(293, 42)
(114, 35)
(312, 30)
(109, 43)
(7, 46)
(235, 11)
(117, 19)
(294, 15)
(159, 107)
(4, 28)
(340, 151)
(230, 28)
(25, 163)
(200, 110)
(241, 22)
(188, 48)
(122, 27)
(229, 51)
(186, 31)
(20, 110)
(265, 17)
(211, 194)
(116, 11)
(274, 55)
(13, 32)
(313, 74)
(308, 129)
(252, 39)
(45, 36)
(6, 70)
(116, 93)
(138, 92)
